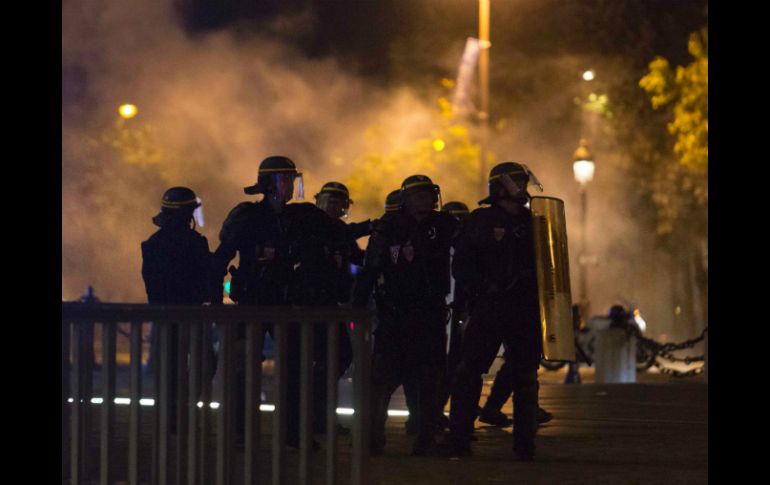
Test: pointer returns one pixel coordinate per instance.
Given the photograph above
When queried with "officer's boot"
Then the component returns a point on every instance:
(525, 414)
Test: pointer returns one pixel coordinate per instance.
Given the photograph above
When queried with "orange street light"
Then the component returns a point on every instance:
(127, 111)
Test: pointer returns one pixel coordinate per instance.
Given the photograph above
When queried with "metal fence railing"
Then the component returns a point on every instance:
(184, 455)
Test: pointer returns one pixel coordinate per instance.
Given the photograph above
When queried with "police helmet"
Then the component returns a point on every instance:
(518, 172)
(418, 183)
(456, 209)
(335, 189)
(272, 166)
(177, 203)
(393, 201)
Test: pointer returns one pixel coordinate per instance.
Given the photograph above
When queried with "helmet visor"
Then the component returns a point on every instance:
(198, 212)
(288, 186)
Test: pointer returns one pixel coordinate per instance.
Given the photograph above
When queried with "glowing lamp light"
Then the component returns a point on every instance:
(584, 171)
(438, 144)
(583, 163)
(640, 321)
(127, 111)
(589, 75)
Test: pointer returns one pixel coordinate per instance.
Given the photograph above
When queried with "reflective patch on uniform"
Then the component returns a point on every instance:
(498, 233)
(394, 250)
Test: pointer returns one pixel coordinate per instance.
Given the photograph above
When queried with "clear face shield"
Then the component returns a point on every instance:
(288, 186)
(198, 213)
(532, 178)
(335, 206)
(517, 186)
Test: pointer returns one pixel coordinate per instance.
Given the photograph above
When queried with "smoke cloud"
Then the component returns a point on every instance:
(211, 107)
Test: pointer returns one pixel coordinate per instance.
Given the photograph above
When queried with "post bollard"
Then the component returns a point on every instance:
(615, 357)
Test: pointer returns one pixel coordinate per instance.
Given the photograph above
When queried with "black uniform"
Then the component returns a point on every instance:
(459, 306)
(385, 317)
(494, 262)
(412, 258)
(326, 279)
(272, 246)
(175, 262)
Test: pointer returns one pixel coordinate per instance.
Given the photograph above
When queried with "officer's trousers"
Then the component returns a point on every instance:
(320, 369)
(502, 387)
(409, 351)
(499, 319)
(454, 355)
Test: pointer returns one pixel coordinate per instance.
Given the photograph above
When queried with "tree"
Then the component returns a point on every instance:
(446, 149)
(678, 187)
(685, 93)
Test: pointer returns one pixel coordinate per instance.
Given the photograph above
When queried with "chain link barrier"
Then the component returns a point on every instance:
(656, 350)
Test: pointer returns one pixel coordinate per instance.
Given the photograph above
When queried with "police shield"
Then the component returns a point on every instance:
(549, 230)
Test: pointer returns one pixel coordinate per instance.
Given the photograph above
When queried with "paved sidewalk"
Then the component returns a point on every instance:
(651, 432)
(600, 434)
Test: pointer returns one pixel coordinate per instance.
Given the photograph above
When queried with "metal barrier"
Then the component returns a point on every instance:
(194, 392)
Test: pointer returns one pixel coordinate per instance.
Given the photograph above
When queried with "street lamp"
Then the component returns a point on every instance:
(583, 167)
(127, 111)
(484, 87)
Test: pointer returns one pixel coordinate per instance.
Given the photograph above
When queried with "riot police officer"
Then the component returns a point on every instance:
(393, 206)
(410, 252)
(175, 261)
(175, 258)
(494, 264)
(272, 238)
(329, 281)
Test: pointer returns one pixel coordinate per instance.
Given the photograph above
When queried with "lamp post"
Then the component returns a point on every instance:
(484, 88)
(583, 167)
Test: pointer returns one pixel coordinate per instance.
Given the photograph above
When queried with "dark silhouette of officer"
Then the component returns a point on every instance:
(410, 252)
(394, 205)
(494, 263)
(272, 239)
(329, 281)
(175, 263)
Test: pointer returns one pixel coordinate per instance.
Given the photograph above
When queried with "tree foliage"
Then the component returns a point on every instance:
(681, 187)
(445, 152)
